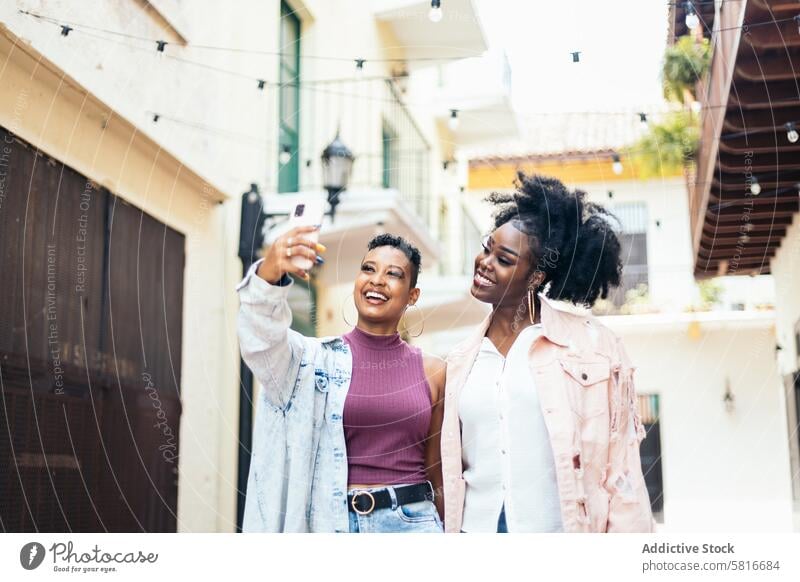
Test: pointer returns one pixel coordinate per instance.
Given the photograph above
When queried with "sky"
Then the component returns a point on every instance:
(621, 46)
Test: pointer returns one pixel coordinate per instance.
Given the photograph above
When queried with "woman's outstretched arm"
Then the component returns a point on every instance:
(269, 348)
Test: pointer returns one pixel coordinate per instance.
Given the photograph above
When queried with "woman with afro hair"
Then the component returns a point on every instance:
(540, 430)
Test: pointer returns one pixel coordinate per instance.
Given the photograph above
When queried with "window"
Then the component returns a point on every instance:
(650, 453)
(391, 162)
(633, 242)
(289, 102)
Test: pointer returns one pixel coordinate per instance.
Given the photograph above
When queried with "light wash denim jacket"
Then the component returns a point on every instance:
(298, 469)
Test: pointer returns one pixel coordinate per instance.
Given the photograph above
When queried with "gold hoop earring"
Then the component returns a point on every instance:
(423, 322)
(531, 304)
(343, 306)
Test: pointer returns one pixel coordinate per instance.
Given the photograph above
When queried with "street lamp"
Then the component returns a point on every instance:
(251, 239)
(337, 162)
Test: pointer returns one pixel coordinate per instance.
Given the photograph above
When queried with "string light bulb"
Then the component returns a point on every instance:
(643, 118)
(453, 122)
(360, 68)
(285, 156)
(797, 20)
(576, 56)
(261, 84)
(65, 30)
(791, 132)
(616, 166)
(755, 187)
(692, 21)
(435, 14)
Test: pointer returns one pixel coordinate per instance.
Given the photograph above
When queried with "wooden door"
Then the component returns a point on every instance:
(90, 353)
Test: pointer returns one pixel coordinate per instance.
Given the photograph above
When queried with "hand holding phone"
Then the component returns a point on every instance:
(307, 213)
(296, 250)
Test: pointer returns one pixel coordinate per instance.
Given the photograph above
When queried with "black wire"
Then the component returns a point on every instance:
(83, 27)
(305, 85)
(699, 2)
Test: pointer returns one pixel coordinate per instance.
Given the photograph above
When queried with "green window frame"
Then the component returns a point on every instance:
(289, 100)
(391, 161)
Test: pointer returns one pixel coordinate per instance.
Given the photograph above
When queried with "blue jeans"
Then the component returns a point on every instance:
(417, 517)
(502, 527)
(501, 523)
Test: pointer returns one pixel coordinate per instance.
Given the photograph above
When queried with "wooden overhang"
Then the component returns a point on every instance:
(750, 102)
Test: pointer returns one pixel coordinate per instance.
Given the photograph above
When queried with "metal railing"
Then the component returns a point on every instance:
(371, 118)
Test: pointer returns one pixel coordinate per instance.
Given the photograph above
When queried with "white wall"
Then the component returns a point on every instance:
(670, 282)
(128, 75)
(786, 272)
(722, 471)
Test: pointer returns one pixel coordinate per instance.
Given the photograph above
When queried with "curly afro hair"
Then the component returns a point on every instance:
(571, 240)
(407, 248)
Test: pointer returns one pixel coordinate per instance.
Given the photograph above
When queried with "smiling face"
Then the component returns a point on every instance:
(382, 290)
(502, 267)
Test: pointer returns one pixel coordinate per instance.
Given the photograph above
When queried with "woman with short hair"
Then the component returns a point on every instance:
(346, 436)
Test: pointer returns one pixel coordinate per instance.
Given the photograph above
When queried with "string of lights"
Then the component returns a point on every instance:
(699, 2)
(260, 83)
(66, 27)
(615, 157)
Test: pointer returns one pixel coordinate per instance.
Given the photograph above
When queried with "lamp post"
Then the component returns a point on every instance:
(337, 163)
(251, 239)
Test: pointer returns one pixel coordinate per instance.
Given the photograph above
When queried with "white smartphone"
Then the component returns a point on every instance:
(307, 213)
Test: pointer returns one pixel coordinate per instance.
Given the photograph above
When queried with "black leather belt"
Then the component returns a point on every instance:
(365, 502)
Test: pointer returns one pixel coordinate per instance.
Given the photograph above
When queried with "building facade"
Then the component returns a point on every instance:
(130, 131)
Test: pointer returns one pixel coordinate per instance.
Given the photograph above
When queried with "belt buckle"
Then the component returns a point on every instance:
(355, 497)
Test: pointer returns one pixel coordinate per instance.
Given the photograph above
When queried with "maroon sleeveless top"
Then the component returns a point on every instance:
(387, 412)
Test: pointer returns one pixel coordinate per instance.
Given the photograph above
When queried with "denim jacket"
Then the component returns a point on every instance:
(584, 381)
(298, 468)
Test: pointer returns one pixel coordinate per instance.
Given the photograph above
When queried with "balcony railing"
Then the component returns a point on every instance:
(372, 120)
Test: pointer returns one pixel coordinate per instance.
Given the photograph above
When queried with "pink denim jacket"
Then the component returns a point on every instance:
(585, 386)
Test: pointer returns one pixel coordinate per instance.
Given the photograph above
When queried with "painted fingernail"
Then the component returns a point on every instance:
(320, 260)
(321, 248)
